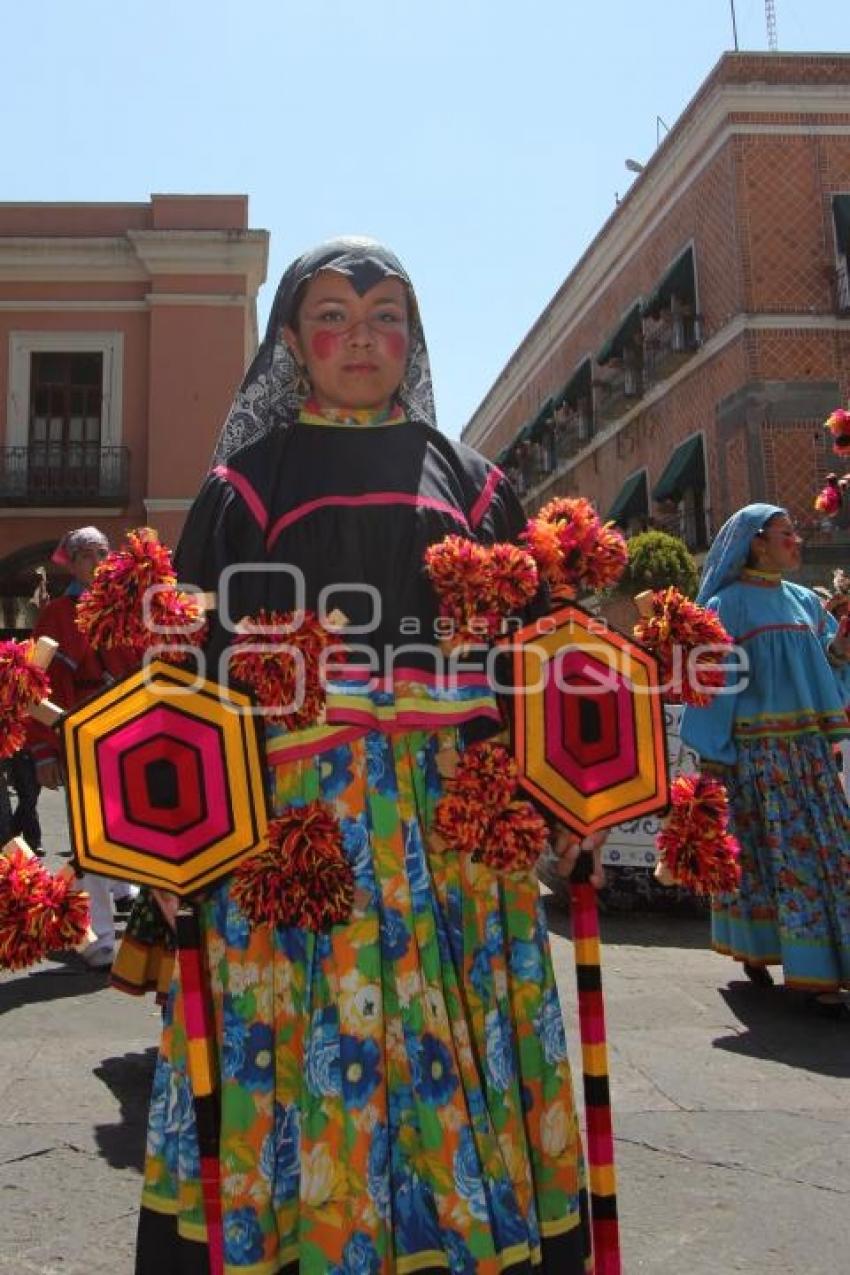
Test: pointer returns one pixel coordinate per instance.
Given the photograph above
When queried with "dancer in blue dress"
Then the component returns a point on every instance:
(771, 737)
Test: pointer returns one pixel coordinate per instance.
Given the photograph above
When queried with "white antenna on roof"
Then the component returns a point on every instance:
(770, 18)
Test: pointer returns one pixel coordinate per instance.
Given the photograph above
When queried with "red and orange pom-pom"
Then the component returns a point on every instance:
(838, 424)
(575, 552)
(22, 683)
(39, 913)
(279, 655)
(460, 822)
(515, 839)
(486, 773)
(113, 610)
(478, 816)
(479, 585)
(828, 499)
(694, 844)
(674, 631)
(303, 877)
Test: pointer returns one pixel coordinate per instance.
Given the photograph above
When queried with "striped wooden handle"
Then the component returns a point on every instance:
(594, 1054)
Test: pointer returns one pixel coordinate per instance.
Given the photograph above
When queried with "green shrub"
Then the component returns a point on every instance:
(657, 560)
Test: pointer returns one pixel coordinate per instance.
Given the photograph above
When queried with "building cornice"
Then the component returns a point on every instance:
(136, 257)
(688, 149)
(163, 505)
(243, 252)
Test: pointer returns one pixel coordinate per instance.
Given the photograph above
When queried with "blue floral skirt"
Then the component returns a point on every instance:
(792, 820)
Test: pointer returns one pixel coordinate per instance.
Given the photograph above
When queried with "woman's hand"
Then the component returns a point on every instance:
(567, 847)
(168, 904)
(49, 773)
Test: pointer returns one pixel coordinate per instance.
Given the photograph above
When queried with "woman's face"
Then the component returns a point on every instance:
(85, 563)
(778, 546)
(354, 348)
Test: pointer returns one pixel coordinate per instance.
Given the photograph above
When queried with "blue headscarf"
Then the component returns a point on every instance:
(731, 548)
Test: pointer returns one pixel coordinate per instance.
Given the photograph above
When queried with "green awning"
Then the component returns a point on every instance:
(685, 470)
(577, 387)
(841, 213)
(628, 328)
(679, 279)
(632, 500)
(542, 419)
(504, 454)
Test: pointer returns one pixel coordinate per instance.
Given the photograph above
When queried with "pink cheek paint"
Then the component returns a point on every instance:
(396, 344)
(324, 345)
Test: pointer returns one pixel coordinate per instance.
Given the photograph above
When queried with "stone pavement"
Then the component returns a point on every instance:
(731, 1110)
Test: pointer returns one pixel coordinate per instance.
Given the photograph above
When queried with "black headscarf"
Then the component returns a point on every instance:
(270, 396)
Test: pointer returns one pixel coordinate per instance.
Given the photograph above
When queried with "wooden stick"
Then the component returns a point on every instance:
(643, 604)
(43, 652)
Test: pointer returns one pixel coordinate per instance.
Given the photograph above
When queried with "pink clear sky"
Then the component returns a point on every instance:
(484, 140)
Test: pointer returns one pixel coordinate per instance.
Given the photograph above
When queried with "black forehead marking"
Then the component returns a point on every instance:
(363, 274)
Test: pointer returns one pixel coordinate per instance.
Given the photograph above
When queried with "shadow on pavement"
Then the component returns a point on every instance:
(54, 983)
(780, 1027)
(129, 1078)
(636, 929)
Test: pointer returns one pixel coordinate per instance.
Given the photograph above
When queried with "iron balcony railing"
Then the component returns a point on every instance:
(55, 474)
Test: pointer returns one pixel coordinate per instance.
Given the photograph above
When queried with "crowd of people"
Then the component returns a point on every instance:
(406, 1072)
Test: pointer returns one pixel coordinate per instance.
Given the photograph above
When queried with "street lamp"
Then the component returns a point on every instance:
(634, 167)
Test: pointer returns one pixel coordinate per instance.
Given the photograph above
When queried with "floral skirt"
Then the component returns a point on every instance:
(395, 1093)
(793, 907)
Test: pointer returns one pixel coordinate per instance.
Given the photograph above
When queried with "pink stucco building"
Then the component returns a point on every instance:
(124, 330)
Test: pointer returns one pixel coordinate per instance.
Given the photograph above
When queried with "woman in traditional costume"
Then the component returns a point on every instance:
(771, 737)
(395, 1093)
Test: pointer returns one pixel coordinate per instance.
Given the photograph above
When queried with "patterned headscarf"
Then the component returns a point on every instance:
(271, 393)
(731, 548)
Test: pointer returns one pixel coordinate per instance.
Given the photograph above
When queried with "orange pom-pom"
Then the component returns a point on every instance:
(828, 499)
(673, 632)
(838, 424)
(22, 683)
(478, 816)
(575, 552)
(284, 668)
(303, 877)
(486, 773)
(694, 844)
(479, 585)
(114, 610)
(515, 839)
(39, 913)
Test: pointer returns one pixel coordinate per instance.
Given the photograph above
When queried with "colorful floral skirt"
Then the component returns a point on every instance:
(395, 1093)
(793, 822)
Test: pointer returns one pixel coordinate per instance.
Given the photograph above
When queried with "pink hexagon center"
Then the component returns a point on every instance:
(590, 730)
(164, 734)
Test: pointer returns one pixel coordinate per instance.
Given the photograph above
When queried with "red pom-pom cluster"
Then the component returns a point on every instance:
(574, 550)
(112, 611)
(284, 670)
(838, 424)
(673, 631)
(479, 816)
(828, 499)
(303, 877)
(22, 683)
(479, 585)
(695, 845)
(39, 913)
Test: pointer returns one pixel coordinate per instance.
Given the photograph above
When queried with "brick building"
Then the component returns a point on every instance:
(124, 330)
(686, 364)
